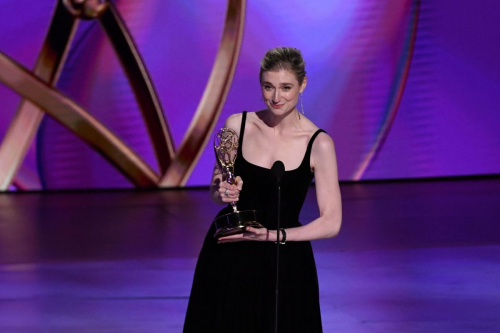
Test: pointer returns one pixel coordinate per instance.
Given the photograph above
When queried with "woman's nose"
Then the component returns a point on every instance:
(276, 96)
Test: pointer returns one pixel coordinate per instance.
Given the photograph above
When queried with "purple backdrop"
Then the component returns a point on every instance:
(360, 64)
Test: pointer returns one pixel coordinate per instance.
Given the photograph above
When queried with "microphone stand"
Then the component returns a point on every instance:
(278, 170)
(278, 255)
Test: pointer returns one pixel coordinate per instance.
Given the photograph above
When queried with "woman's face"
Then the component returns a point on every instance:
(280, 90)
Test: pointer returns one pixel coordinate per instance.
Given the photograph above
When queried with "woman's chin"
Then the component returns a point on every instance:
(281, 111)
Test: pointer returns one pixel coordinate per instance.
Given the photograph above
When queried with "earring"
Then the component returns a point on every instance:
(301, 105)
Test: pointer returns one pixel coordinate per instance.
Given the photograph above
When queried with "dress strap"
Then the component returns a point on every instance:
(242, 132)
(307, 157)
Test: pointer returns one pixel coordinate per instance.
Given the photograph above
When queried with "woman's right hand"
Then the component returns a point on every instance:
(229, 193)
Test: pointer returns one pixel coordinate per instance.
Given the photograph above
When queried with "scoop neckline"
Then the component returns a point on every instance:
(268, 169)
(240, 147)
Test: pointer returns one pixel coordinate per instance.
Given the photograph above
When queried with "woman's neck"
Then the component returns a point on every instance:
(289, 120)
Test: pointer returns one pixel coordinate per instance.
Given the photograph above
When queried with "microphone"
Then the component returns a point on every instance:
(278, 170)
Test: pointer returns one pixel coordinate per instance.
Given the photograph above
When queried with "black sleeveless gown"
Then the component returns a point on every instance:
(234, 283)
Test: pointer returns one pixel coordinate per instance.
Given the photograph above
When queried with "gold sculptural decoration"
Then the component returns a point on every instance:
(86, 9)
(40, 97)
(75, 118)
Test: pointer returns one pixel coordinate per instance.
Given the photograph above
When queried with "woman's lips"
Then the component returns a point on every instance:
(276, 106)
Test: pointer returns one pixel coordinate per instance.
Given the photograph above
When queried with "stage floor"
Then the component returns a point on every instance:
(416, 256)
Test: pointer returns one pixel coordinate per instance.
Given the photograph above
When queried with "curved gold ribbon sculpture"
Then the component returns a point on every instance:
(40, 97)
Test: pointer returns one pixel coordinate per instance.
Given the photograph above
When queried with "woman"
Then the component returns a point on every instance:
(234, 282)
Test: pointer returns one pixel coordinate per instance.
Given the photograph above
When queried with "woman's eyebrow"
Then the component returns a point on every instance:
(281, 84)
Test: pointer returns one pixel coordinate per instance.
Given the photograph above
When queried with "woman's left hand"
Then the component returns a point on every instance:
(250, 234)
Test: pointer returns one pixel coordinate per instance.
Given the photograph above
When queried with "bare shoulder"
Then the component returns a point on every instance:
(234, 122)
(323, 140)
(323, 143)
(323, 152)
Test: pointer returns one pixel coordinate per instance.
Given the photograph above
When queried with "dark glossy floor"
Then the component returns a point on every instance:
(419, 256)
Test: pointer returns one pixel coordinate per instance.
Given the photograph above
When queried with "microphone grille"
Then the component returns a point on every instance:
(278, 169)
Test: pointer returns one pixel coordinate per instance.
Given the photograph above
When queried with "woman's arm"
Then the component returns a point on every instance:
(328, 223)
(324, 164)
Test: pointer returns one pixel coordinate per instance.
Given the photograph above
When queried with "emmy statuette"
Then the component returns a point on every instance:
(226, 150)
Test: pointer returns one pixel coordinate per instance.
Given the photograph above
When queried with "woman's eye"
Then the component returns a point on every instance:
(287, 88)
(267, 87)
